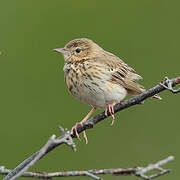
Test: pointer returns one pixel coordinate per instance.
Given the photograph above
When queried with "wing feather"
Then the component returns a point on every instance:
(120, 73)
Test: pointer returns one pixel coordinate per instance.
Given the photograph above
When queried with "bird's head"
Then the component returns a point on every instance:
(79, 49)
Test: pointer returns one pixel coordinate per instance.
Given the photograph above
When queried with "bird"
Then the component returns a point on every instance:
(97, 77)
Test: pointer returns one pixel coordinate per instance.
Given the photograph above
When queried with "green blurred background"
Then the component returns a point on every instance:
(34, 99)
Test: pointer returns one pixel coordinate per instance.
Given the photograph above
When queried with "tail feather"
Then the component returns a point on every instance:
(133, 89)
(141, 90)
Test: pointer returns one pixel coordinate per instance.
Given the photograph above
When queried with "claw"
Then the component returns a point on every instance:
(85, 137)
(110, 108)
(74, 128)
(106, 110)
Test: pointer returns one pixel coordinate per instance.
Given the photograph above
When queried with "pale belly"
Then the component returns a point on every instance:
(99, 94)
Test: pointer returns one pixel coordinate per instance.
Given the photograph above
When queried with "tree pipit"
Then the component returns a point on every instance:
(97, 77)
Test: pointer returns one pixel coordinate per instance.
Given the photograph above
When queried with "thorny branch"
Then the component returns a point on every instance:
(137, 171)
(67, 137)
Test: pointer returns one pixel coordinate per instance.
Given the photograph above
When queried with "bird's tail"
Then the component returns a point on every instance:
(135, 89)
(155, 96)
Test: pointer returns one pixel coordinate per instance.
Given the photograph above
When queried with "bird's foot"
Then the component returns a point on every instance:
(110, 108)
(74, 128)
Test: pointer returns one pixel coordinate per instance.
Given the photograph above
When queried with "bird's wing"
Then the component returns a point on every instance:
(122, 74)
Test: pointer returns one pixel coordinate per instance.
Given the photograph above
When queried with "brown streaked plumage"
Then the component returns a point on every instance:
(97, 77)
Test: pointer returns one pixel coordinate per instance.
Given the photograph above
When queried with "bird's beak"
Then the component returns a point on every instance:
(62, 50)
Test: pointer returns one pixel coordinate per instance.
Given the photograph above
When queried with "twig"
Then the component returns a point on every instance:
(87, 173)
(137, 171)
(51, 144)
(157, 166)
(168, 83)
(91, 122)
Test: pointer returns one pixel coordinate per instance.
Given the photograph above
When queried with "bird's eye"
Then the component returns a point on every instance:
(78, 50)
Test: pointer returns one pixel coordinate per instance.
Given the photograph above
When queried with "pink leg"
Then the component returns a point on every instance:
(74, 128)
(110, 107)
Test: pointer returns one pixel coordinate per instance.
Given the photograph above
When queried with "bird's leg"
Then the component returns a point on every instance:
(110, 108)
(74, 128)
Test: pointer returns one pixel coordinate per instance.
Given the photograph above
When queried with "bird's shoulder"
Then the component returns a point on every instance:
(119, 72)
(116, 66)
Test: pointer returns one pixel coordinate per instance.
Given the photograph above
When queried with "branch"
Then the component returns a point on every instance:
(167, 84)
(51, 144)
(137, 171)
